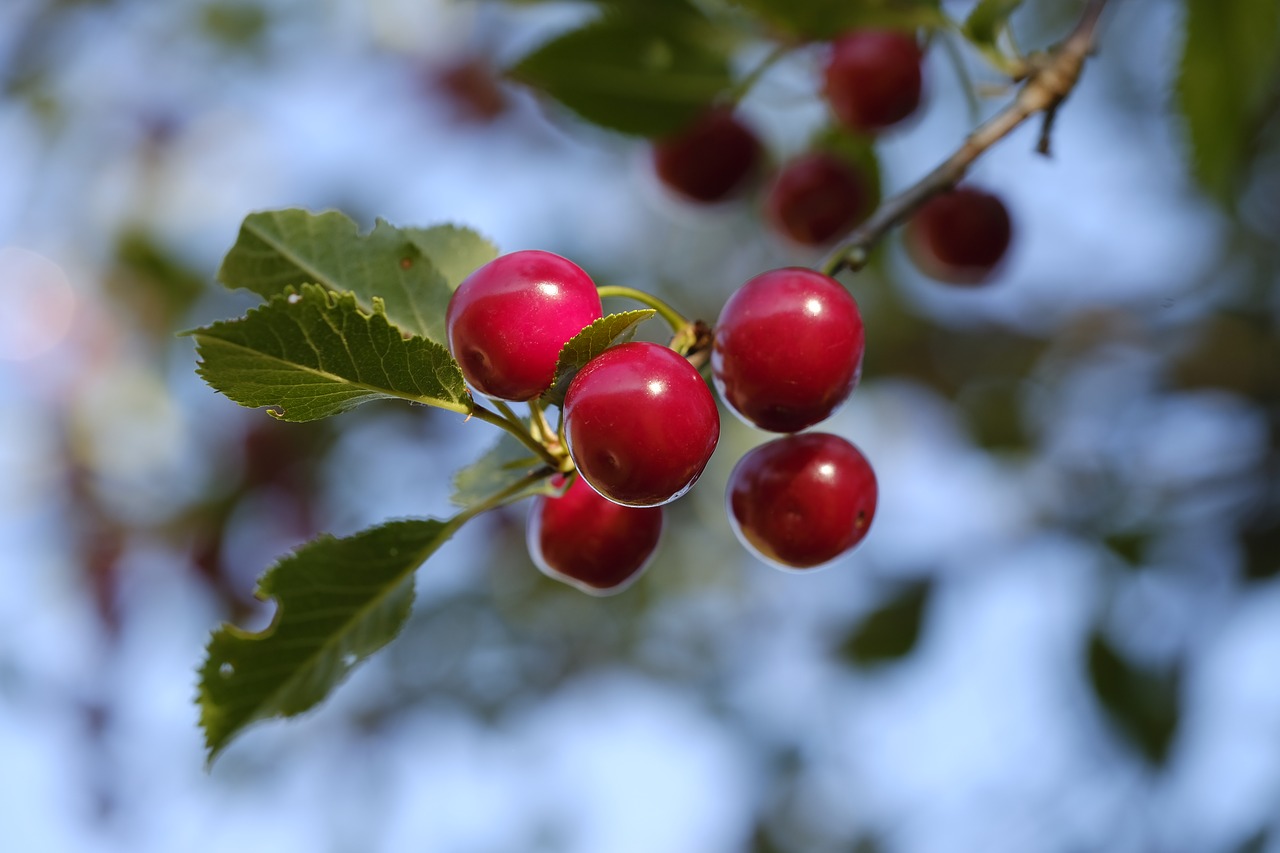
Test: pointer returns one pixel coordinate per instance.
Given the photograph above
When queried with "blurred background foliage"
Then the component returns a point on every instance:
(1062, 634)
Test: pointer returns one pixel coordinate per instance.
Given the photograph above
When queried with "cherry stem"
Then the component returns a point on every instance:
(956, 58)
(1050, 80)
(545, 433)
(506, 411)
(517, 429)
(674, 318)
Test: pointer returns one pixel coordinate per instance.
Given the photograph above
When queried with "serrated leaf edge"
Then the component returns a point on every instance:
(263, 593)
(332, 300)
(637, 316)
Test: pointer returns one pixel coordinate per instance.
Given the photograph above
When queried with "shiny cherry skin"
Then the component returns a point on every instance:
(788, 349)
(873, 79)
(708, 160)
(640, 424)
(590, 543)
(509, 319)
(817, 197)
(960, 236)
(801, 501)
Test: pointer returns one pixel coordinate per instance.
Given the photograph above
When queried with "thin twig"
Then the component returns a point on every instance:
(1053, 77)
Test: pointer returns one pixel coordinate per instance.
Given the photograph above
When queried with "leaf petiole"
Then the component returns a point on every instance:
(504, 496)
(506, 411)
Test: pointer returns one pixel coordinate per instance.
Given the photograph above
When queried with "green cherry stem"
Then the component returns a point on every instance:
(543, 430)
(518, 430)
(957, 60)
(673, 317)
(506, 411)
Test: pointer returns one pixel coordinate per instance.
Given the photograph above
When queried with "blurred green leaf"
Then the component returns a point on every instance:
(1256, 843)
(1236, 351)
(988, 19)
(312, 353)
(337, 602)
(455, 252)
(589, 343)
(1143, 704)
(153, 282)
(405, 268)
(891, 631)
(993, 410)
(1261, 544)
(1228, 83)
(1130, 546)
(505, 464)
(824, 19)
(857, 151)
(635, 72)
(234, 23)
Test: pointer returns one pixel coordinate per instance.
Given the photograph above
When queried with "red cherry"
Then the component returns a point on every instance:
(473, 87)
(801, 501)
(788, 349)
(873, 79)
(640, 424)
(959, 236)
(710, 159)
(591, 543)
(509, 319)
(817, 197)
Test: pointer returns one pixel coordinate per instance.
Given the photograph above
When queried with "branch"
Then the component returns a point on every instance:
(1052, 77)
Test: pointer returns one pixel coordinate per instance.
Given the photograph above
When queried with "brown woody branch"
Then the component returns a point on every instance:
(1051, 78)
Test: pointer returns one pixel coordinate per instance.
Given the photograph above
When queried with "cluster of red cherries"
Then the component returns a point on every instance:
(639, 423)
(872, 81)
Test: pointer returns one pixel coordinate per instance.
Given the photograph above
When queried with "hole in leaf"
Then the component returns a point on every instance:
(226, 670)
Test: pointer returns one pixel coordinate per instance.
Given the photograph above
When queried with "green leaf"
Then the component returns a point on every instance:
(337, 602)
(860, 153)
(1260, 544)
(505, 464)
(280, 249)
(311, 353)
(892, 631)
(638, 73)
(1129, 546)
(1256, 843)
(455, 252)
(824, 19)
(988, 19)
(1228, 84)
(1143, 704)
(156, 285)
(589, 343)
(992, 408)
(235, 24)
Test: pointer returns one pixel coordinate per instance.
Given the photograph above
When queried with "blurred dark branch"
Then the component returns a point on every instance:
(1051, 76)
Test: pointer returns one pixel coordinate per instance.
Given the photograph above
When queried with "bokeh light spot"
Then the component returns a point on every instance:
(39, 304)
